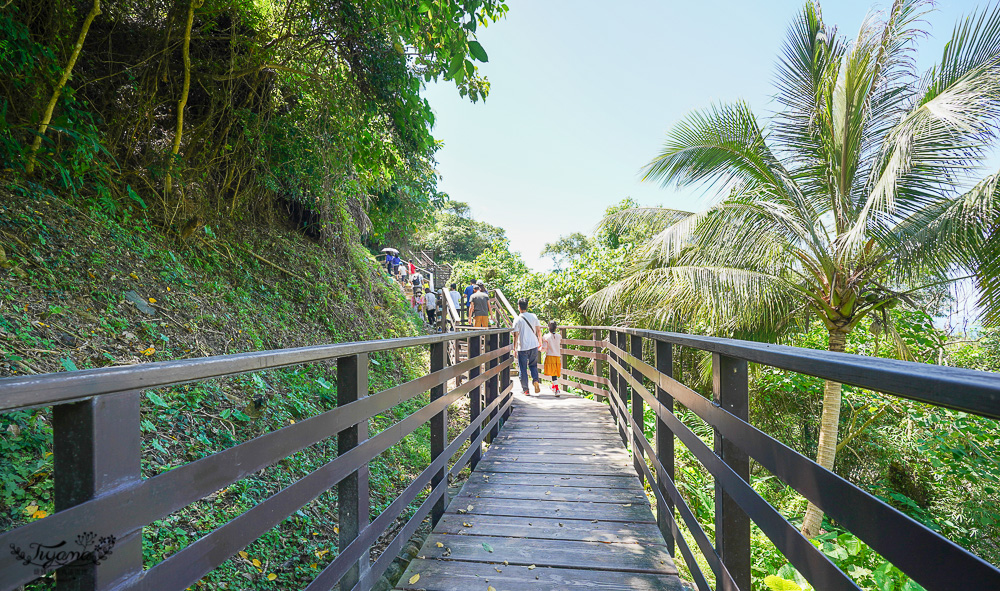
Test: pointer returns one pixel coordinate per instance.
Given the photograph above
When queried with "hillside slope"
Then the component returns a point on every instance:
(81, 290)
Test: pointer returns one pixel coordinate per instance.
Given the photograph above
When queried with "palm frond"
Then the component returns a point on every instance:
(933, 148)
(725, 298)
(723, 144)
(654, 218)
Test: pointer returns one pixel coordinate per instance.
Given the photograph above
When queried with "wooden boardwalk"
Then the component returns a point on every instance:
(554, 504)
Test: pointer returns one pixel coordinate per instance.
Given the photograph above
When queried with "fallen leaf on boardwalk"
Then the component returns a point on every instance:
(256, 562)
(439, 545)
(243, 554)
(272, 577)
(497, 569)
(560, 525)
(548, 492)
(505, 563)
(627, 505)
(414, 578)
(464, 524)
(532, 567)
(487, 547)
(469, 508)
(490, 588)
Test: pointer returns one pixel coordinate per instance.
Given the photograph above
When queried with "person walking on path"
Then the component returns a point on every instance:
(418, 300)
(527, 341)
(430, 302)
(552, 347)
(456, 298)
(469, 290)
(480, 308)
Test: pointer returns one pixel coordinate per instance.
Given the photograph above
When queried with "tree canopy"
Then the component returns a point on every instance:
(456, 236)
(225, 108)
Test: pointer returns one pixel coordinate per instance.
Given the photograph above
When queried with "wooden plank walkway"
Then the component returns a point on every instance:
(554, 504)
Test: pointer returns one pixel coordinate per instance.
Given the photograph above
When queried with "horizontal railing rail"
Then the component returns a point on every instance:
(97, 449)
(620, 373)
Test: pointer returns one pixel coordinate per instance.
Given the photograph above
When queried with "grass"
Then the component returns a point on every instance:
(66, 274)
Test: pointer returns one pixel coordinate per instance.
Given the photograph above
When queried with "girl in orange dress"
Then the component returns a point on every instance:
(552, 347)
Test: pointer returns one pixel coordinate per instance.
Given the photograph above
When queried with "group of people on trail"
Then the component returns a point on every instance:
(529, 342)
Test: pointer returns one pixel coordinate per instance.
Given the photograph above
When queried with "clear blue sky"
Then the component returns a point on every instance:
(583, 92)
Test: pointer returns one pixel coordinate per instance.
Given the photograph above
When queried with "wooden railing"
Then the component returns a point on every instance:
(97, 447)
(621, 373)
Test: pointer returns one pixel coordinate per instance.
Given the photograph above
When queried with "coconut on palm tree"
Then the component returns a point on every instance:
(864, 185)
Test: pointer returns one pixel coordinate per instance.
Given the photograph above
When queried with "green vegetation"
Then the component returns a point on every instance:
(214, 111)
(455, 236)
(847, 202)
(184, 178)
(70, 311)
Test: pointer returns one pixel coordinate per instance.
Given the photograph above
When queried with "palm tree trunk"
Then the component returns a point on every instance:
(828, 427)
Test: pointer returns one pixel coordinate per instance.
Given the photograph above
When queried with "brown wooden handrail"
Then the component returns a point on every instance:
(631, 383)
(98, 486)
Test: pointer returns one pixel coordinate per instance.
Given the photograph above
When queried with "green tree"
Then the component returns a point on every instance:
(849, 198)
(456, 236)
(567, 248)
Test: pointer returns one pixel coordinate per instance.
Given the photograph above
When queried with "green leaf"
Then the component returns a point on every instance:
(476, 50)
(487, 547)
(455, 67)
(778, 584)
(68, 364)
(155, 399)
(852, 544)
(470, 68)
(135, 196)
(424, 6)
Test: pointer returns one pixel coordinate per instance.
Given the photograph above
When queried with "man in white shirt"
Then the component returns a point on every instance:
(430, 303)
(527, 338)
(456, 298)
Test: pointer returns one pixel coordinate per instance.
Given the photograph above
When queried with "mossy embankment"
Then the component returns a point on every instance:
(81, 290)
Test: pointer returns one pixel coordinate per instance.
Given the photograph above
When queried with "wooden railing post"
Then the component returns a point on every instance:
(665, 444)
(598, 365)
(475, 397)
(439, 430)
(732, 526)
(352, 492)
(505, 374)
(564, 357)
(96, 447)
(613, 376)
(638, 412)
(622, 387)
(492, 385)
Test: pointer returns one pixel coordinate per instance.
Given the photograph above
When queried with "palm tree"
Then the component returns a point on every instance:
(858, 191)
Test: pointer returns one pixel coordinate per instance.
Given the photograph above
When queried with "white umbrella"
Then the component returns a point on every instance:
(392, 250)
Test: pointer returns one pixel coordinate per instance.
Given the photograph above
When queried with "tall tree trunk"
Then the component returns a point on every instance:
(828, 431)
(182, 102)
(67, 71)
